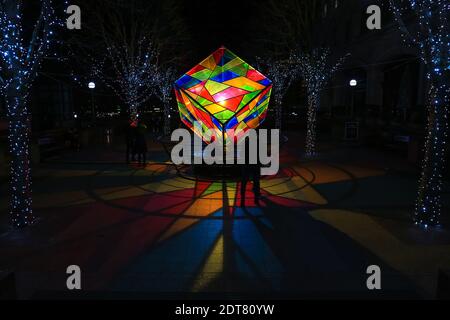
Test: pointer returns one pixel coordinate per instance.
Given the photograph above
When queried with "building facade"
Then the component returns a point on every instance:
(391, 84)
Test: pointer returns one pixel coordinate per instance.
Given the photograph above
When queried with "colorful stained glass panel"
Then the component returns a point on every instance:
(223, 92)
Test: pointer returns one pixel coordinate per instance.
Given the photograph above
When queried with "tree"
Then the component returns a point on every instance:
(316, 71)
(429, 31)
(282, 75)
(20, 61)
(124, 43)
(287, 23)
(290, 35)
(130, 70)
(165, 79)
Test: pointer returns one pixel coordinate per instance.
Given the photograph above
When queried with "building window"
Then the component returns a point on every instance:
(325, 9)
(336, 4)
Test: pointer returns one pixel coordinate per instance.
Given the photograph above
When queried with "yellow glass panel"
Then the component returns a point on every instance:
(209, 63)
(214, 87)
(244, 83)
(233, 63)
(241, 126)
(243, 116)
(214, 108)
(188, 103)
(253, 103)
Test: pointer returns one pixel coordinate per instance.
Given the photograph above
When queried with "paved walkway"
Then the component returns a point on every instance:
(145, 231)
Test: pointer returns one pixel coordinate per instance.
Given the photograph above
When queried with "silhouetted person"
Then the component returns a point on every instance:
(130, 140)
(140, 146)
(249, 171)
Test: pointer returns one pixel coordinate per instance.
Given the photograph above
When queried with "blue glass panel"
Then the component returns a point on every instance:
(225, 76)
(265, 82)
(187, 81)
(216, 123)
(232, 123)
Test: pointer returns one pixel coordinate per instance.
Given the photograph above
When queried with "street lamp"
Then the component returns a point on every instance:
(353, 84)
(91, 86)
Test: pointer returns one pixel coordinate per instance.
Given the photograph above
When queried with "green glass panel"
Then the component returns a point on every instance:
(202, 75)
(203, 102)
(218, 70)
(247, 98)
(240, 69)
(195, 103)
(224, 116)
(233, 63)
(215, 87)
(230, 55)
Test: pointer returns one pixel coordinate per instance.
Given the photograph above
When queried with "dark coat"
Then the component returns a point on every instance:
(140, 145)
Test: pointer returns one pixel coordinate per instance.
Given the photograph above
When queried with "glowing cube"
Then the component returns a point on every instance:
(223, 92)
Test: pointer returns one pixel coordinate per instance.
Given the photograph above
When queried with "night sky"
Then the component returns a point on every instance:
(227, 23)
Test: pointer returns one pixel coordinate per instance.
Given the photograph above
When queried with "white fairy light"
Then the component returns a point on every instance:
(431, 36)
(20, 63)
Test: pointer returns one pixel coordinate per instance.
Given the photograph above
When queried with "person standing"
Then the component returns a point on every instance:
(141, 144)
(250, 171)
(130, 139)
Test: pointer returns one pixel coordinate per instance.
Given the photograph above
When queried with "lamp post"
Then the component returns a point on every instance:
(91, 86)
(353, 84)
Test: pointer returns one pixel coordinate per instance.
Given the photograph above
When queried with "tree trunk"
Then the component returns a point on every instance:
(278, 116)
(313, 104)
(166, 130)
(19, 148)
(134, 116)
(429, 202)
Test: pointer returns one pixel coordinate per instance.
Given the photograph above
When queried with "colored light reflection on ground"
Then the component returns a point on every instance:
(153, 230)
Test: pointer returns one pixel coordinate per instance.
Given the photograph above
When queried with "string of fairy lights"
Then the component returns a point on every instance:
(165, 79)
(132, 73)
(431, 36)
(282, 76)
(316, 71)
(19, 64)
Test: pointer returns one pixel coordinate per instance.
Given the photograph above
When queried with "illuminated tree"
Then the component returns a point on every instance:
(130, 72)
(115, 46)
(165, 79)
(291, 27)
(122, 43)
(316, 71)
(20, 61)
(282, 75)
(429, 31)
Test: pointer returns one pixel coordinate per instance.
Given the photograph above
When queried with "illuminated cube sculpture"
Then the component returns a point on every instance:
(223, 92)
